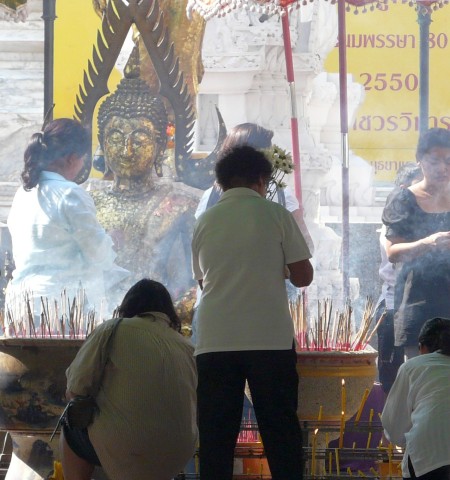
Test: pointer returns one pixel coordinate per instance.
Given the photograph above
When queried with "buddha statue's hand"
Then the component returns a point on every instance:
(184, 306)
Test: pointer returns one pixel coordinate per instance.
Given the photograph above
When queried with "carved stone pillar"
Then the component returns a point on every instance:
(22, 88)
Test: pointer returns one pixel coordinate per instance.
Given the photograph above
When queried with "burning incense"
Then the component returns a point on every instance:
(54, 320)
(326, 332)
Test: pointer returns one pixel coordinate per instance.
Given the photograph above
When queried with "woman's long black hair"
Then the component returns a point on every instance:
(58, 139)
(435, 335)
(149, 296)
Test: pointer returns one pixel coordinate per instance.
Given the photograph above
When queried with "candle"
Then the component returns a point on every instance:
(319, 418)
(349, 472)
(338, 469)
(330, 463)
(361, 405)
(343, 397)
(327, 439)
(341, 431)
(354, 445)
(313, 455)
(369, 438)
(390, 448)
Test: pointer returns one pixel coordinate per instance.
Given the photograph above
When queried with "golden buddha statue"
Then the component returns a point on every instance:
(150, 218)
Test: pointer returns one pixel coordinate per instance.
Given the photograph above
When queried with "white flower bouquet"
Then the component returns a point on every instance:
(282, 165)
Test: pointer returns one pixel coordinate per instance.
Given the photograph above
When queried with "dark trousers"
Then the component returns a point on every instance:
(442, 473)
(273, 382)
(390, 357)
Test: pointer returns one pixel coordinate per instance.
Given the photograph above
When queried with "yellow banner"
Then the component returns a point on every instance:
(383, 54)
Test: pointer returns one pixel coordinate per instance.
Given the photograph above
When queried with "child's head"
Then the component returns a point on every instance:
(408, 174)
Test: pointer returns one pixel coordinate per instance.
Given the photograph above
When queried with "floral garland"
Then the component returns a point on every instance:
(282, 165)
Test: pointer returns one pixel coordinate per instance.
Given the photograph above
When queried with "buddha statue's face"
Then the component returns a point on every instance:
(130, 147)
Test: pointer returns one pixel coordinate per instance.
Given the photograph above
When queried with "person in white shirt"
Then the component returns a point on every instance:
(416, 415)
(242, 249)
(57, 242)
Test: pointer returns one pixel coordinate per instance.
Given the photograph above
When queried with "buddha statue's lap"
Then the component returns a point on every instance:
(152, 233)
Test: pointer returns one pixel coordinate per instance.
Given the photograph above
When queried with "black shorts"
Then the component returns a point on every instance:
(78, 441)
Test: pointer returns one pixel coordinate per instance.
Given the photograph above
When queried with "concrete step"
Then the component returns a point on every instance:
(381, 194)
(21, 70)
(22, 85)
(20, 57)
(21, 32)
(22, 105)
(32, 64)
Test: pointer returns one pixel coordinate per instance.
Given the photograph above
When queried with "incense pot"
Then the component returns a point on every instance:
(32, 398)
(331, 387)
(320, 382)
(33, 381)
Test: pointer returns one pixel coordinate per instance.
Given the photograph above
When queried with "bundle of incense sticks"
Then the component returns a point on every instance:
(68, 318)
(298, 311)
(248, 432)
(328, 331)
(364, 334)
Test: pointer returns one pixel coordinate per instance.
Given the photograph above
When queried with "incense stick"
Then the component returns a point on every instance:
(331, 330)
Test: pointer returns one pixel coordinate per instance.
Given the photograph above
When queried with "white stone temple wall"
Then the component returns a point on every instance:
(245, 75)
(22, 94)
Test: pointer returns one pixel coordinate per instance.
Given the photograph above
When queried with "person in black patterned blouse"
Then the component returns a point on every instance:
(417, 223)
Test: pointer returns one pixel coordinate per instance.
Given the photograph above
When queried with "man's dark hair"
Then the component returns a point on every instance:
(242, 167)
(434, 137)
(149, 296)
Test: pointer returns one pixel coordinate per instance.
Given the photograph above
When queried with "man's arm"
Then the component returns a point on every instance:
(301, 273)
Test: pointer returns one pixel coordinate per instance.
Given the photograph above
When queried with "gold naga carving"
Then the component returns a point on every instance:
(147, 18)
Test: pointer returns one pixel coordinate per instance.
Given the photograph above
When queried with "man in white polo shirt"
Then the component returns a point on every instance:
(242, 250)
